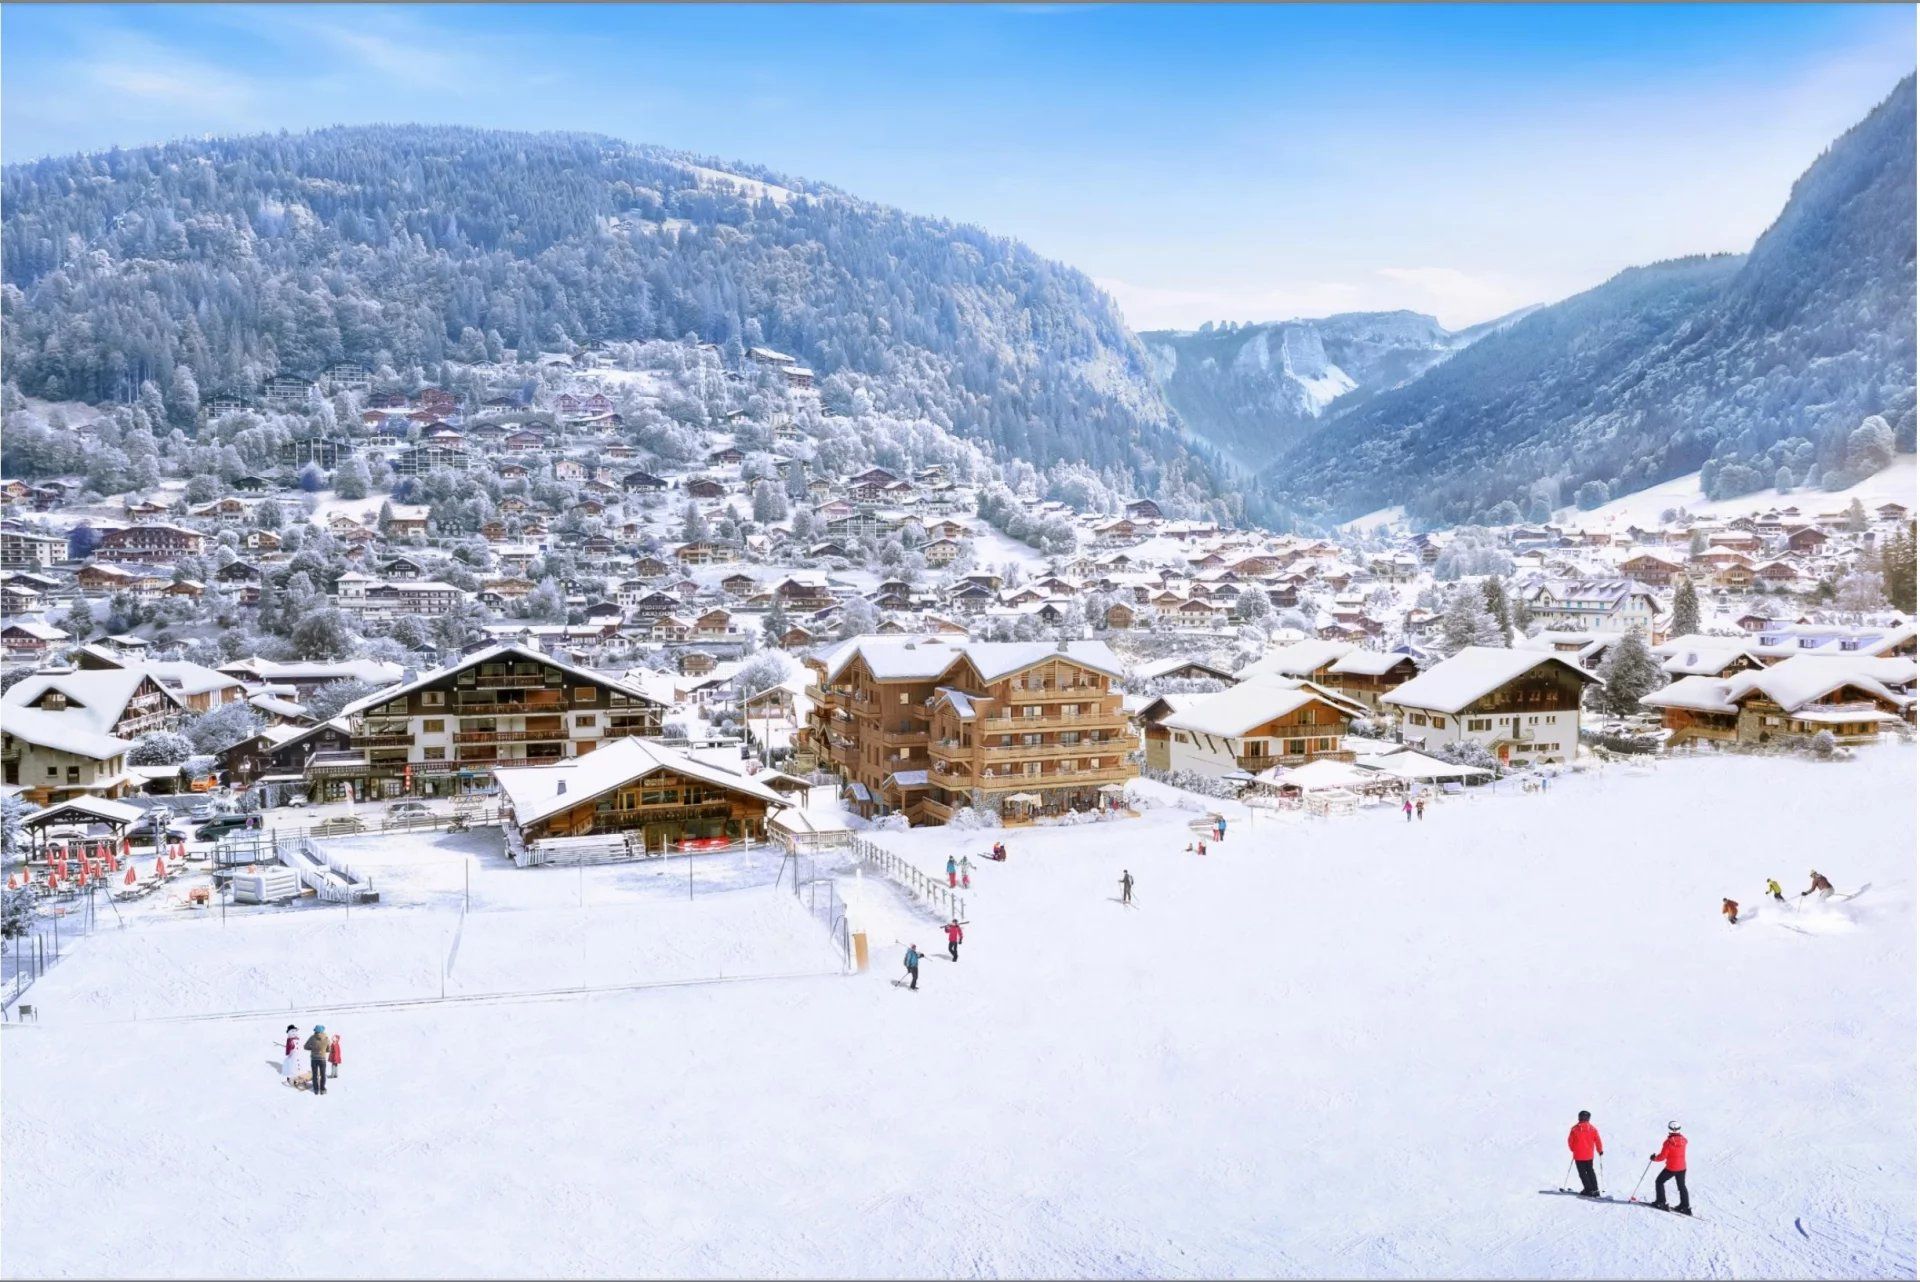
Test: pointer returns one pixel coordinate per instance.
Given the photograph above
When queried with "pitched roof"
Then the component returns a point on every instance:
(488, 655)
(535, 792)
(904, 658)
(96, 697)
(1474, 673)
(62, 732)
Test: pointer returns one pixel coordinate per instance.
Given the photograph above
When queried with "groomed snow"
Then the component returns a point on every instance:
(1349, 1047)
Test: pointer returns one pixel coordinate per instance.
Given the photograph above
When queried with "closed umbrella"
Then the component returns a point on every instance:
(159, 868)
(133, 876)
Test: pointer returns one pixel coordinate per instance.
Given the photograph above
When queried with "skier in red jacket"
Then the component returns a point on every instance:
(1674, 1154)
(954, 936)
(1584, 1142)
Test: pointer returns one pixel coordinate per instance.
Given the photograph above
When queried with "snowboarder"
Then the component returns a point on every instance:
(953, 872)
(290, 1055)
(913, 966)
(317, 1047)
(1773, 888)
(1126, 886)
(1584, 1143)
(1731, 911)
(1420, 808)
(1820, 884)
(1407, 806)
(954, 936)
(333, 1057)
(1674, 1154)
(966, 873)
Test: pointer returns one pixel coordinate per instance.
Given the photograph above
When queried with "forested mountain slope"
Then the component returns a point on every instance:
(399, 246)
(1751, 369)
(1254, 390)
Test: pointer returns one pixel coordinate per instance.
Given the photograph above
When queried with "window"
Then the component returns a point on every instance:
(433, 754)
(433, 725)
(583, 720)
(433, 698)
(903, 696)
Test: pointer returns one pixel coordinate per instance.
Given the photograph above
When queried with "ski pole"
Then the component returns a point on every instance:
(1635, 1195)
(1603, 1174)
(1567, 1175)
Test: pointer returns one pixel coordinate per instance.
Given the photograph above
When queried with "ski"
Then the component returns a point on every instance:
(1615, 1201)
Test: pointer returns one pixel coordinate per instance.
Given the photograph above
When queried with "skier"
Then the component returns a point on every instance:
(1674, 1154)
(1820, 884)
(1126, 886)
(966, 873)
(1407, 806)
(913, 966)
(1420, 807)
(1773, 888)
(953, 872)
(954, 936)
(333, 1056)
(1220, 828)
(1584, 1142)
(1731, 911)
(317, 1047)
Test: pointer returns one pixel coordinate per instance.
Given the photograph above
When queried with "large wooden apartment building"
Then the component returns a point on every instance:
(505, 705)
(926, 726)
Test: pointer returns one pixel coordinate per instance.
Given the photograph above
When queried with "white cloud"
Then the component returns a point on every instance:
(1456, 297)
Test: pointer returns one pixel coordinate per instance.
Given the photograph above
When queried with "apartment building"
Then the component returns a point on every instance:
(502, 706)
(925, 726)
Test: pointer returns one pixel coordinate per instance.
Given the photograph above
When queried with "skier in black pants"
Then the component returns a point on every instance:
(1126, 886)
(954, 936)
(913, 966)
(1674, 1154)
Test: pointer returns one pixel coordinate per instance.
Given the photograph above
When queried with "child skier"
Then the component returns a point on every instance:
(954, 936)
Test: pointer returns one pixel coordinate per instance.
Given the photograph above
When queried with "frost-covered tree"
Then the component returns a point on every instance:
(218, 729)
(1466, 622)
(160, 748)
(1495, 594)
(1869, 446)
(351, 480)
(1630, 671)
(1861, 592)
(325, 703)
(1686, 608)
(858, 618)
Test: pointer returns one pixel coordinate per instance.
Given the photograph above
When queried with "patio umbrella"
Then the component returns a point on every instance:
(113, 865)
(1113, 787)
(132, 877)
(159, 868)
(1023, 798)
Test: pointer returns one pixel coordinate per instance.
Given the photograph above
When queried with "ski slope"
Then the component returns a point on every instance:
(1348, 1048)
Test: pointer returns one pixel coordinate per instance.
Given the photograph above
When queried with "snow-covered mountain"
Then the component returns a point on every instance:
(1252, 391)
(1756, 370)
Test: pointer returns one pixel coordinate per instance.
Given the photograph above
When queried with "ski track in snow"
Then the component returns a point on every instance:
(1344, 1048)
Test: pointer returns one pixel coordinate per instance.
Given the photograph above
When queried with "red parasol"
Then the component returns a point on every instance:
(159, 867)
(133, 877)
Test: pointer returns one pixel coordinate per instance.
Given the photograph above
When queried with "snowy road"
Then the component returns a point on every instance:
(1349, 1047)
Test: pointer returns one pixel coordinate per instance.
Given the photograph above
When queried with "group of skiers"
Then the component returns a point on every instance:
(323, 1057)
(1413, 805)
(955, 934)
(1584, 1142)
(1730, 908)
(959, 872)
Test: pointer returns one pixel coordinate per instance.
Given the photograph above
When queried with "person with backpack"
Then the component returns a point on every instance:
(317, 1047)
(1674, 1154)
(1583, 1141)
(913, 966)
(954, 936)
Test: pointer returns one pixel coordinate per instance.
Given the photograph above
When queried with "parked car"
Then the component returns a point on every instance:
(297, 799)
(158, 814)
(409, 810)
(221, 825)
(339, 826)
(143, 835)
(209, 808)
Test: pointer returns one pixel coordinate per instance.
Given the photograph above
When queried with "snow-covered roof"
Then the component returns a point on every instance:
(372, 671)
(1804, 678)
(488, 655)
(1317, 776)
(1233, 712)
(1418, 765)
(96, 697)
(1368, 663)
(63, 732)
(1160, 667)
(1474, 673)
(905, 658)
(535, 792)
(1298, 659)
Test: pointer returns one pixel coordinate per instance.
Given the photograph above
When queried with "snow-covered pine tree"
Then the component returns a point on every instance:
(1631, 670)
(1466, 622)
(1495, 593)
(1686, 608)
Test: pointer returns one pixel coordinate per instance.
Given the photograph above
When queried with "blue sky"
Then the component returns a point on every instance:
(1238, 162)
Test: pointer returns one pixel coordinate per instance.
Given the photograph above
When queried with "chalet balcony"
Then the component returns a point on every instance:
(1253, 765)
(1038, 751)
(536, 700)
(898, 736)
(511, 736)
(1115, 719)
(396, 740)
(507, 681)
(1011, 781)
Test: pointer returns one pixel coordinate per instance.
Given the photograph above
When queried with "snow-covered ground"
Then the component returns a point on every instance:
(1891, 484)
(1348, 1047)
